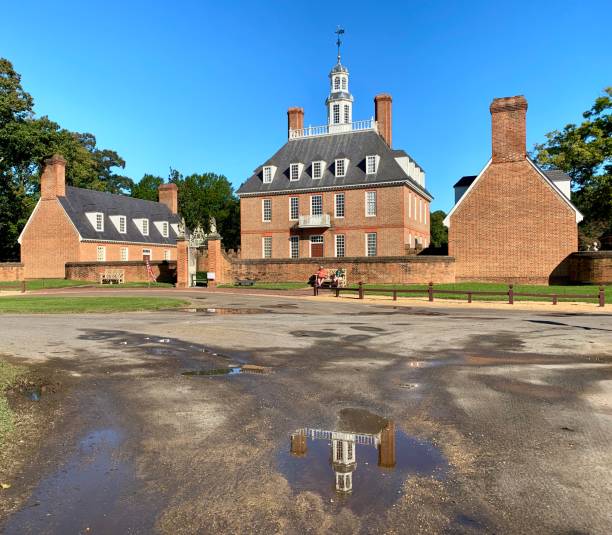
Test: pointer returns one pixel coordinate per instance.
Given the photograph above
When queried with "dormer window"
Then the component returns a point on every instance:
(371, 164)
(145, 227)
(317, 169)
(99, 222)
(122, 224)
(267, 174)
(165, 229)
(294, 171)
(340, 167)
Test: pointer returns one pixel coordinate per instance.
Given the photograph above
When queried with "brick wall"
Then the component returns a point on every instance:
(512, 226)
(134, 271)
(11, 271)
(590, 267)
(88, 251)
(392, 223)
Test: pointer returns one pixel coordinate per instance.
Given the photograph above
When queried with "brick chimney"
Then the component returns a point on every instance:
(295, 119)
(53, 179)
(382, 114)
(508, 123)
(168, 195)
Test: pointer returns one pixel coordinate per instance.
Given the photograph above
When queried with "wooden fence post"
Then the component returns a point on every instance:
(430, 291)
(554, 299)
(511, 294)
(315, 289)
(337, 292)
(395, 295)
(469, 297)
(360, 290)
(602, 296)
(23, 287)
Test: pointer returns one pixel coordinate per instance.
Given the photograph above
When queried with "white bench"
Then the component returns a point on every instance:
(112, 276)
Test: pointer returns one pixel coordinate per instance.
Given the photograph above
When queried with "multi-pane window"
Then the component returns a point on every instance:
(145, 227)
(343, 83)
(371, 244)
(349, 454)
(148, 253)
(339, 448)
(317, 169)
(99, 222)
(294, 247)
(370, 165)
(294, 171)
(266, 210)
(347, 114)
(425, 214)
(294, 208)
(267, 175)
(336, 113)
(122, 224)
(124, 254)
(370, 203)
(339, 205)
(267, 246)
(101, 253)
(316, 205)
(165, 229)
(340, 167)
(340, 245)
(336, 83)
(421, 210)
(166, 254)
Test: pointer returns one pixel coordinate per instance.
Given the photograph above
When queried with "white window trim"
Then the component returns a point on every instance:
(263, 211)
(310, 244)
(376, 160)
(149, 253)
(300, 167)
(345, 164)
(263, 246)
(366, 244)
(291, 240)
(336, 245)
(322, 164)
(93, 219)
(298, 209)
(272, 170)
(127, 254)
(160, 228)
(375, 203)
(120, 220)
(333, 111)
(311, 203)
(140, 224)
(100, 257)
(336, 216)
(167, 254)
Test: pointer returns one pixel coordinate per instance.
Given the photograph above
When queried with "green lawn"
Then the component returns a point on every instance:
(270, 286)
(8, 374)
(65, 304)
(43, 284)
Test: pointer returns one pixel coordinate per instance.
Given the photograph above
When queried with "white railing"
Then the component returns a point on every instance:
(322, 220)
(323, 434)
(326, 130)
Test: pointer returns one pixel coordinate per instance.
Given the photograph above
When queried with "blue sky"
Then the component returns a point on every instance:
(204, 86)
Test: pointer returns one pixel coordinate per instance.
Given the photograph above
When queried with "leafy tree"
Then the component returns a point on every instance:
(438, 232)
(147, 187)
(584, 152)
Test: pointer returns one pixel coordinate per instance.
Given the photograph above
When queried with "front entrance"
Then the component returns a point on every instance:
(316, 246)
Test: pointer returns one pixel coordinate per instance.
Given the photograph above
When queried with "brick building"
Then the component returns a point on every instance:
(513, 221)
(79, 225)
(338, 190)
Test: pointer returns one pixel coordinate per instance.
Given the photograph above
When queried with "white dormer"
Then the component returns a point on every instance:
(268, 173)
(372, 164)
(96, 219)
(143, 225)
(295, 171)
(340, 167)
(120, 223)
(318, 168)
(175, 228)
(411, 169)
(163, 228)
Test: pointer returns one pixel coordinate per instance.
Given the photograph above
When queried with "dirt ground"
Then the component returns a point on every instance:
(501, 419)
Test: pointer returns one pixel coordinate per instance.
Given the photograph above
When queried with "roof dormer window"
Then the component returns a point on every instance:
(340, 167)
(122, 224)
(165, 229)
(371, 164)
(144, 227)
(97, 220)
(267, 174)
(317, 169)
(294, 171)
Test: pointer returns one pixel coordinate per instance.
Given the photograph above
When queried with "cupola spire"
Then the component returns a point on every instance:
(339, 32)
(340, 101)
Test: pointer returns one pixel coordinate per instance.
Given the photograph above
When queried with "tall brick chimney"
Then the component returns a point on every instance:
(168, 195)
(508, 121)
(295, 119)
(53, 179)
(382, 114)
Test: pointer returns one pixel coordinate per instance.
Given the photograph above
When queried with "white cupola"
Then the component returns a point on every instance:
(339, 102)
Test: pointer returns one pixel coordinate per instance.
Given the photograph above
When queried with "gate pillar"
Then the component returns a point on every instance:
(182, 263)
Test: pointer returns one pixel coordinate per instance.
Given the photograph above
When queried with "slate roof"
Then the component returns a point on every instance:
(556, 174)
(78, 201)
(352, 145)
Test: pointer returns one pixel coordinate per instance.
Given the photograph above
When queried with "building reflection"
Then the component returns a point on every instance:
(343, 454)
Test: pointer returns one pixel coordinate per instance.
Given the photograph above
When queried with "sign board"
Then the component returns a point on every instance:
(210, 275)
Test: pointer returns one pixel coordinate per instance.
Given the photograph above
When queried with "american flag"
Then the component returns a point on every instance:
(149, 269)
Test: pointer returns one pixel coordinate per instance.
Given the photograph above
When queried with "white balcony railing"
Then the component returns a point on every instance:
(314, 221)
(326, 130)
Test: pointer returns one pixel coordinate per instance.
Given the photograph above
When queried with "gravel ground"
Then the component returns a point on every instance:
(502, 419)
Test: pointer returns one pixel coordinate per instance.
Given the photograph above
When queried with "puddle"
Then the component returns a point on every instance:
(362, 463)
(90, 493)
(227, 311)
(230, 370)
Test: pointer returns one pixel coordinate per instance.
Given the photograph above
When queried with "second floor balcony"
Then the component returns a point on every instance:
(314, 221)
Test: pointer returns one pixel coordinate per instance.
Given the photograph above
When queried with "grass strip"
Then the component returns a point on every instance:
(71, 305)
(8, 374)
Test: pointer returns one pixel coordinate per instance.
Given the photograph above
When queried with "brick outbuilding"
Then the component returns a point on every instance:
(513, 221)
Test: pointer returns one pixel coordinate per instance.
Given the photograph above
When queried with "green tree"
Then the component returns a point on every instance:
(202, 196)
(147, 187)
(584, 152)
(438, 232)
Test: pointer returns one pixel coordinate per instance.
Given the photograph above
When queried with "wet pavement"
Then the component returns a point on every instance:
(284, 416)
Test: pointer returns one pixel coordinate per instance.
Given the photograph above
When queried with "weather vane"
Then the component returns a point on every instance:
(339, 31)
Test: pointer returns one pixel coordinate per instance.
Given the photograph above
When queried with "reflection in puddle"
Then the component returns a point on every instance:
(228, 311)
(230, 370)
(364, 462)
